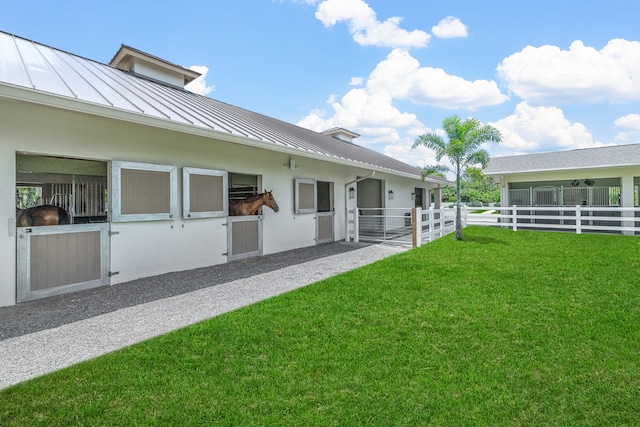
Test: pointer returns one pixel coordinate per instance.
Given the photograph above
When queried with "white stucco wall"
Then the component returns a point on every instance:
(140, 249)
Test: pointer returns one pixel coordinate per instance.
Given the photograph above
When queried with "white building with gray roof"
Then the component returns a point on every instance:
(601, 176)
(147, 171)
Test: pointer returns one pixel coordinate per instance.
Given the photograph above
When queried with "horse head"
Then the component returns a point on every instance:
(270, 201)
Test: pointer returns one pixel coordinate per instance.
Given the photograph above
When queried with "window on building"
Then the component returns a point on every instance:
(204, 193)
(305, 196)
(143, 191)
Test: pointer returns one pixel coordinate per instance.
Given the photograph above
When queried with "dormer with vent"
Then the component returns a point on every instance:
(342, 134)
(151, 67)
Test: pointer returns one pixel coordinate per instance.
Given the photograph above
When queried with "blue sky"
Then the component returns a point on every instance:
(551, 75)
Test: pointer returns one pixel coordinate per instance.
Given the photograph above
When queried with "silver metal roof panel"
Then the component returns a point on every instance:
(40, 68)
(12, 67)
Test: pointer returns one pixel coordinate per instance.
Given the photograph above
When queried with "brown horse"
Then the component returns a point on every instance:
(250, 205)
(42, 215)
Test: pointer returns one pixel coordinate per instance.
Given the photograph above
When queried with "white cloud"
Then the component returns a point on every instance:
(630, 129)
(630, 122)
(402, 77)
(365, 27)
(199, 85)
(536, 129)
(356, 81)
(449, 27)
(582, 74)
(421, 156)
(363, 112)
(368, 109)
(316, 121)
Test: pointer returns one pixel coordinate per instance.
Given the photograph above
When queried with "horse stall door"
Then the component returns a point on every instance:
(244, 237)
(325, 213)
(324, 227)
(54, 260)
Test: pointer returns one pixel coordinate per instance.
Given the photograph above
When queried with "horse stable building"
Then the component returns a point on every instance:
(147, 171)
(600, 181)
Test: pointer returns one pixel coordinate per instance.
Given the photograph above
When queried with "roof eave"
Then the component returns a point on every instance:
(532, 171)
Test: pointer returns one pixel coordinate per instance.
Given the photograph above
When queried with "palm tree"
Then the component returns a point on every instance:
(437, 170)
(463, 149)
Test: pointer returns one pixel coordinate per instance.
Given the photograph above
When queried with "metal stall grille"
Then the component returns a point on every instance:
(84, 198)
(388, 225)
(90, 197)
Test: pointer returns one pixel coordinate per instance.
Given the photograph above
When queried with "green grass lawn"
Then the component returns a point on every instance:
(501, 329)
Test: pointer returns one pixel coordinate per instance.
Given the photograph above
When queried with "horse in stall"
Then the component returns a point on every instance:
(42, 215)
(250, 205)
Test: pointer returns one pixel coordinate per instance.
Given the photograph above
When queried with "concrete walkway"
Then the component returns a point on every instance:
(31, 355)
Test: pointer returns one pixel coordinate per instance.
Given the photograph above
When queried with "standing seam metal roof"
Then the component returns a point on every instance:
(599, 157)
(41, 68)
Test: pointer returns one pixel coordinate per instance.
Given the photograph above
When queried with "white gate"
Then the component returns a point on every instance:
(58, 259)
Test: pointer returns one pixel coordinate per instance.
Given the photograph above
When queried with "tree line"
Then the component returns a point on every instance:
(475, 187)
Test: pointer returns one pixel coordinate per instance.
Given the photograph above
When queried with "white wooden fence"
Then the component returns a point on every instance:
(576, 219)
(399, 226)
(434, 223)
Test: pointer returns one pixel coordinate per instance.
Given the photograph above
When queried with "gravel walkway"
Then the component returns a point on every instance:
(42, 336)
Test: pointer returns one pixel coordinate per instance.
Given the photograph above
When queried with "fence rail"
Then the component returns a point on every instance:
(577, 219)
(434, 223)
(401, 226)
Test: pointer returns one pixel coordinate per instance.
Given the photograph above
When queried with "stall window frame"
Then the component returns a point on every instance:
(117, 214)
(303, 208)
(187, 206)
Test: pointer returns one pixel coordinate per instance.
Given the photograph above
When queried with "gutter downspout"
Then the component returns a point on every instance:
(346, 202)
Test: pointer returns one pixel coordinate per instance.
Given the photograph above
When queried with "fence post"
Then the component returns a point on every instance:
(465, 212)
(578, 220)
(442, 222)
(416, 227)
(432, 223)
(515, 218)
(347, 225)
(356, 225)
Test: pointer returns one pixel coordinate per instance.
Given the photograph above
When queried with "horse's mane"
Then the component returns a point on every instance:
(249, 199)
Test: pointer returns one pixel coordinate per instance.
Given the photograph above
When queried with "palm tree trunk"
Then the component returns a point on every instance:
(458, 209)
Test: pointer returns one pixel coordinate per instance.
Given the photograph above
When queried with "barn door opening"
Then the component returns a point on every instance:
(77, 186)
(419, 198)
(56, 255)
(326, 213)
(244, 233)
(316, 197)
(370, 208)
